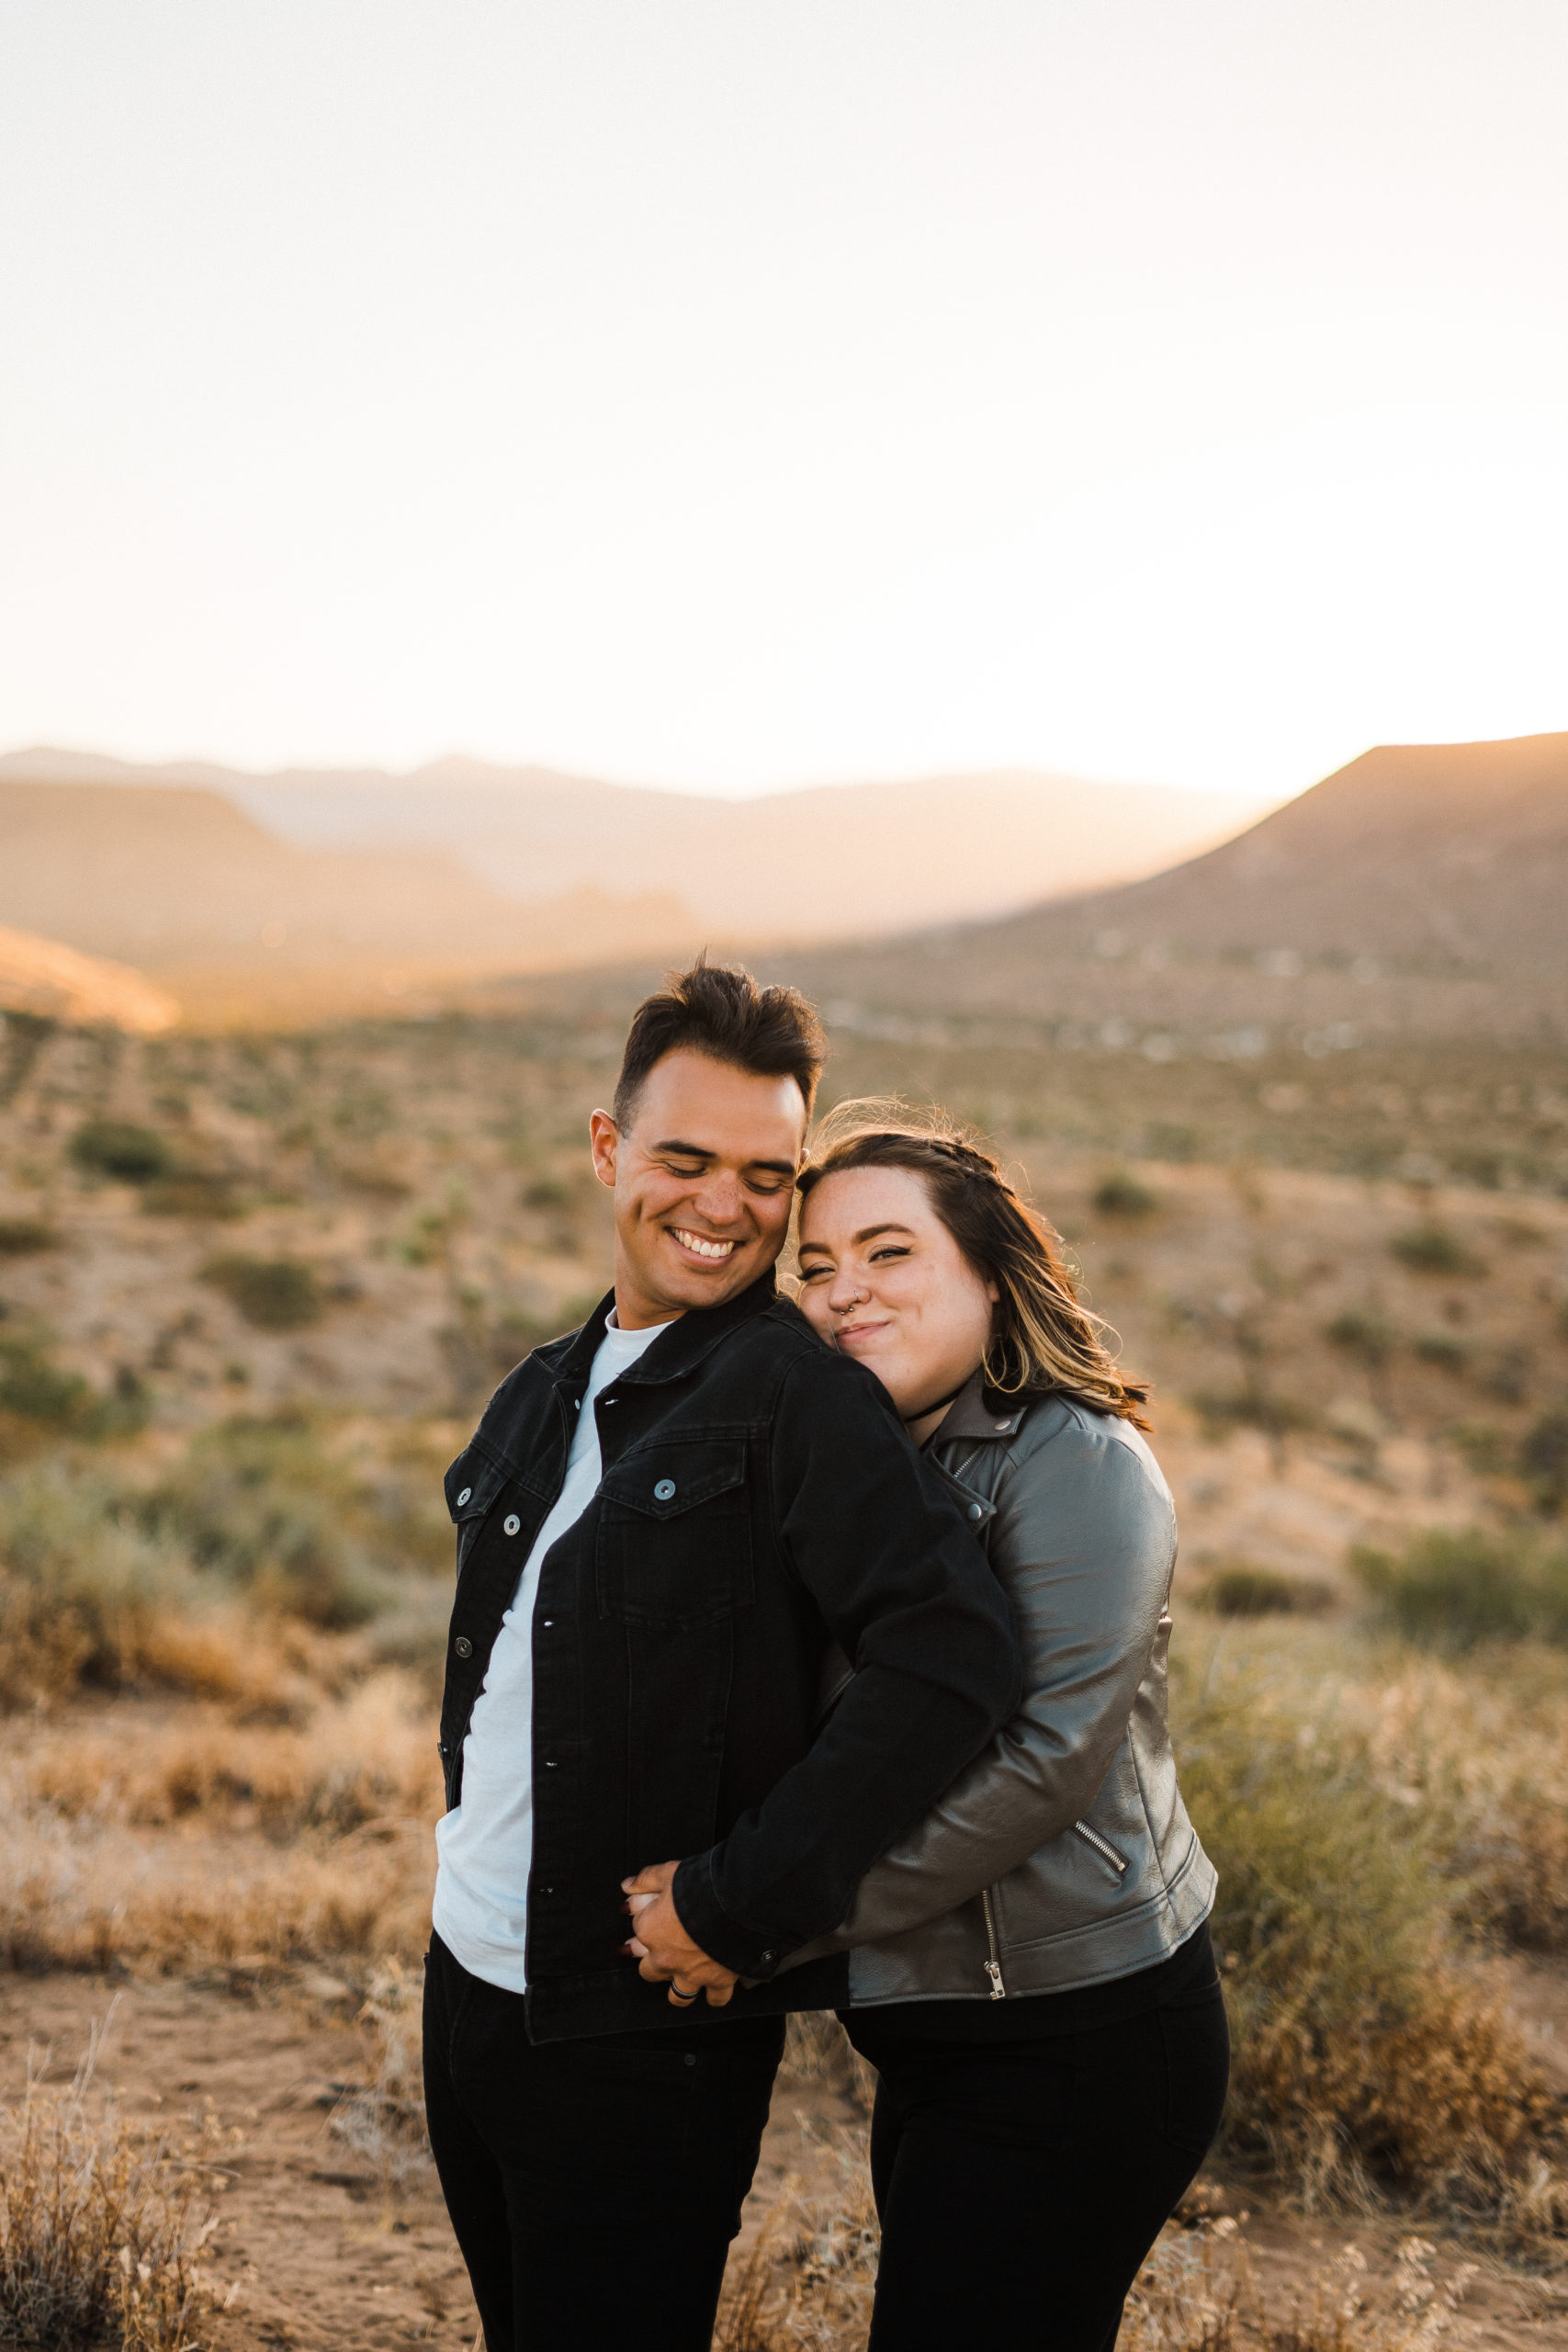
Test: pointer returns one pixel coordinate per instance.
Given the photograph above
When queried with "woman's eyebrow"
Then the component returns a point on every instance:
(866, 1232)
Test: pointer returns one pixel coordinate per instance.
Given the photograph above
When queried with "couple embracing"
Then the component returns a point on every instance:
(812, 1656)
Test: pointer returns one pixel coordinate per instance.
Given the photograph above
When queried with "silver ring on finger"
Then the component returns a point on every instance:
(677, 1993)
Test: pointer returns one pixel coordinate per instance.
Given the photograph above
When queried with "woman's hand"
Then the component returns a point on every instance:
(663, 1951)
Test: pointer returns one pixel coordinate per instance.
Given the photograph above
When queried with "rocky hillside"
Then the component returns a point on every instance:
(1422, 888)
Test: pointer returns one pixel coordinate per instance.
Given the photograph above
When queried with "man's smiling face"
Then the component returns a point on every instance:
(704, 1178)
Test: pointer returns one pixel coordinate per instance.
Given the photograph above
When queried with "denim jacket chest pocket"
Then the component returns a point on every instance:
(674, 1545)
(473, 1485)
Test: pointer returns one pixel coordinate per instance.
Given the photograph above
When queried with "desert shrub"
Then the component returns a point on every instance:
(275, 1294)
(1221, 1410)
(40, 1398)
(545, 1192)
(115, 1148)
(1434, 1248)
(1441, 1348)
(1543, 1458)
(1120, 1194)
(384, 2120)
(261, 1501)
(1357, 2049)
(1514, 1864)
(1241, 1588)
(1483, 1446)
(1370, 1338)
(21, 1235)
(192, 1191)
(88, 1597)
(35, 1389)
(98, 2243)
(1471, 1586)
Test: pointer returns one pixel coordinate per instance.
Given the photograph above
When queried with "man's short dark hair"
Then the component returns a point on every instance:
(718, 1010)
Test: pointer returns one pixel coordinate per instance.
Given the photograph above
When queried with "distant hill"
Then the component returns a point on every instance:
(184, 884)
(39, 975)
(845, 860)
(1421, 888)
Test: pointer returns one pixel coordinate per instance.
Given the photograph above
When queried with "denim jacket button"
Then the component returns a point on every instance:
(463, 1647)
(510, 1523)
(463, 1496)
(664, 1491)
(977, 1510)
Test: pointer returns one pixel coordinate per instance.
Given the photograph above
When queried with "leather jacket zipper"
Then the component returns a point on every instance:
(993, 1965)
(1107, 1853)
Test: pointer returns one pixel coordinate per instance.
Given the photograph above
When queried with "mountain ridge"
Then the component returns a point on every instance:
(828, 860)
(1419, 888)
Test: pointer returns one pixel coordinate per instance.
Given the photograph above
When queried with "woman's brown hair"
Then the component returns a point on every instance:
(1044, 1341)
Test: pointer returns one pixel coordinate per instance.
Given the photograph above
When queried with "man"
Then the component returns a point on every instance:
(663, 1519)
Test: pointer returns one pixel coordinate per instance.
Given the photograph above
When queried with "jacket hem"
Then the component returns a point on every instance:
(1140, 1941)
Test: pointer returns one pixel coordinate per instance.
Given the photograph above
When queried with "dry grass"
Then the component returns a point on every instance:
(1199, 2293)
(1344, 1814)
(98, 2241)
(384, 2120)
(305, 1841)
(363, 1761)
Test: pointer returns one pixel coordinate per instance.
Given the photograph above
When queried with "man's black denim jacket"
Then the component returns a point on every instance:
(758, 1499)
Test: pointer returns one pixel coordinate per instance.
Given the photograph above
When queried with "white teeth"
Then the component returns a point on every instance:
(702, 1247)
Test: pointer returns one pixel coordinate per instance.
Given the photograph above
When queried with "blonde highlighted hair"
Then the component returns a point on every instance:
(1044, 1341)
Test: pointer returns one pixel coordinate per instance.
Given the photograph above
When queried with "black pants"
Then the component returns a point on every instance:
(1021, 2184)
(593, 2185)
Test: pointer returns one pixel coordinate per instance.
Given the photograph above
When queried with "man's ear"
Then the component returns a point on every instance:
(603, 1137)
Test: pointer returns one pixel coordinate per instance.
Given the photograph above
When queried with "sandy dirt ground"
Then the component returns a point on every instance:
(320, 2250)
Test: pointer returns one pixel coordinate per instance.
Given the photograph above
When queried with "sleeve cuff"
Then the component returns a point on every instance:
(709, 1924)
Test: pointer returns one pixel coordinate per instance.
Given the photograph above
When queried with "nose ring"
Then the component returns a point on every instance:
(858, 1300)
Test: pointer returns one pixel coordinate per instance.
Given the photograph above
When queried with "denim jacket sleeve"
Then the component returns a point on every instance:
(873, 1534)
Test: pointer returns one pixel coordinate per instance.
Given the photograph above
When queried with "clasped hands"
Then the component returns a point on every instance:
(664, 1953)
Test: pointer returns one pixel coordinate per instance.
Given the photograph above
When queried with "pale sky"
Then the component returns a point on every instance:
(731, 394)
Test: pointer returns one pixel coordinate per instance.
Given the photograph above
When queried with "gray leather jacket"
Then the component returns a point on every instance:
(1063, 1855)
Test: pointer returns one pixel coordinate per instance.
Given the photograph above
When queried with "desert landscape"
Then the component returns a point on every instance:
(1299, 1106)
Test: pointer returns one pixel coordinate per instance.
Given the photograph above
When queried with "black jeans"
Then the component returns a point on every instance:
(1021, 2184)
(593, 2185)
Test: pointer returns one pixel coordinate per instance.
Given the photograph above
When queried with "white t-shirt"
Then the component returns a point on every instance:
(485, 1845)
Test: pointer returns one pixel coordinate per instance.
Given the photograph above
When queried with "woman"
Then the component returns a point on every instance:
(1031, 1973)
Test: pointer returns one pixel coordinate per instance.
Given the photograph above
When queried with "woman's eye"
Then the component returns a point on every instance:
(892, 1250)
(813, 1273)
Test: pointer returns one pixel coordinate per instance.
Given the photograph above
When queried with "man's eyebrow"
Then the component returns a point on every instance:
(675, 1149)
(866, 1232)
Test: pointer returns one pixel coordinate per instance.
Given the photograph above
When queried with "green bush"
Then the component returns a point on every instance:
(1475, 1586)
(1371, 1339)
(1220, 1409)
(1543, 1458)
(34, 1389)
(82, 1586)
(132, 1155)
(1120, 1194)
(1358, 2050)
(192, 1191)
(21, 1235)
(1441, 1349)
(275, 1294)
(1434, 1250)
(259, 1501)
(1241, 1588)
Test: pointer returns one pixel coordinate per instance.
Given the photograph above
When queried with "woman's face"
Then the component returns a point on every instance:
(882, 1280)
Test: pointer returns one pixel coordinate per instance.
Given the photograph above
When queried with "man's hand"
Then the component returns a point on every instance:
(663, 1951)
